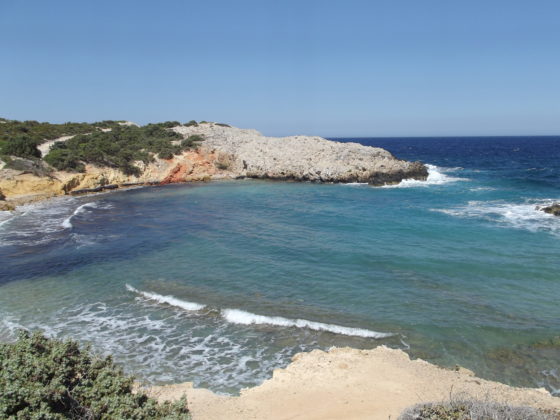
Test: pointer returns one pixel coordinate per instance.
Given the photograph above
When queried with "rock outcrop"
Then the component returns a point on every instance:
(5, 206)
(553, 209)
(226, 152)
(346, 383)
(247, 153)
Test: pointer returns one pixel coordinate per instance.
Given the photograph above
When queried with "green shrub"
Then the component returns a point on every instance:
(166, 124)
(166, 153)
(21, 146)
(62, 159)
(191, 141)
(42, 378)
(118, 148)
(191, 123)
(41, 132)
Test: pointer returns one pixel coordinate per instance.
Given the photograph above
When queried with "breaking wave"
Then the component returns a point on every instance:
(237, 316)
(170, 300)
(67, 223)
(517, 215)
(436, 176)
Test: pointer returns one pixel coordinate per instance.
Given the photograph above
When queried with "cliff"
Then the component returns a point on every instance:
(346, 383)
(226, 152)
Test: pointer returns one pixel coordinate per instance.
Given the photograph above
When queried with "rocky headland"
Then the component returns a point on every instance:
(225, 153)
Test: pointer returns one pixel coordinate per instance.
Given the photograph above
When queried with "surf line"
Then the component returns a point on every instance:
(238, 316)
(67, 223)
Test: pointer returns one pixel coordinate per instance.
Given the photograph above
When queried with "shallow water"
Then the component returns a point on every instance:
(220, 283)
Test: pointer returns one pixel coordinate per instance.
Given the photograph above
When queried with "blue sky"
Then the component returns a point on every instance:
(332, 68)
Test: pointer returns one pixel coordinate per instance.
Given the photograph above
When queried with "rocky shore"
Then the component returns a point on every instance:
(553, 209)
(351, 384)
(226, 153)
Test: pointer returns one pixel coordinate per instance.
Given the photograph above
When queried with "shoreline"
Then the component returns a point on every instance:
(11, 204)
(350, 383)
(226, 153)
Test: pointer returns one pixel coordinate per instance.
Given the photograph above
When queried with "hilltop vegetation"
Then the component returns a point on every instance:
(105, 143)
(21, 138)
(42, 378)
(118, 148)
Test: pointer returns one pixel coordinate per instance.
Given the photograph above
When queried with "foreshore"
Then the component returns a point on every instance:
(351, 384)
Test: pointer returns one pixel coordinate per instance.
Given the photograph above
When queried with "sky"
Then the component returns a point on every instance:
(330, 68)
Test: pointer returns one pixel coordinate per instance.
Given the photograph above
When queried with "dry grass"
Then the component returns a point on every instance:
(464, 407)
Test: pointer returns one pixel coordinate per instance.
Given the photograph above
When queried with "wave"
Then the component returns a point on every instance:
(517, 215)
(67, 224)
(5, 217)
(170, 300)
(237, 316)
(436, 176)
(482, 189)
(356, 184)
(164, 349)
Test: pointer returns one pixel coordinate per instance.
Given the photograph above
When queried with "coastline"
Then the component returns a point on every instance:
(350, 383)
(226, 153)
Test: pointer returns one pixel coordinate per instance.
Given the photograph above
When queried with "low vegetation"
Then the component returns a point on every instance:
(466, 408)
(105, 143)
(41, 378)
(21, 138)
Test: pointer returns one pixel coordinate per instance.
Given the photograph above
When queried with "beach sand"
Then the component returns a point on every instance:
(346, 383)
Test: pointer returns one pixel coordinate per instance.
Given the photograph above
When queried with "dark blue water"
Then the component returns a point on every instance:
(220, 283)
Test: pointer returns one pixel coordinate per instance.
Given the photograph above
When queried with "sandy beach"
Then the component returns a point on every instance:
(351, 384)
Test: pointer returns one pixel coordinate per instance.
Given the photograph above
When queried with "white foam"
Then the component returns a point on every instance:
(170, 300)
(524, 215)
(482, 189)
(356, 184)
(36, 223)
(237, 316)
(436, 176)
(67, 224)
(174, 348)
(5, 217)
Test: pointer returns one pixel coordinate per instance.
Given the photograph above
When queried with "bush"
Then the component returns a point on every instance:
(191, 123)
(466, 408)
(191, 141)
(42, 378)
(21, 146)
(118, 148)
(40, 132)
(166, 153)
(166, 124)
(31, 166)
(62, 159)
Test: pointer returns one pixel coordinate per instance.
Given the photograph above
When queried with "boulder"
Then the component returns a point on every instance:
(553, 209)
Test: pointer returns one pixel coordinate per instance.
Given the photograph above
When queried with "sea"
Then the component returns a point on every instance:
(220, 283)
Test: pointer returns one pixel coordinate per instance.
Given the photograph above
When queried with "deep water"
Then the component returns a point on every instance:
(220, 283)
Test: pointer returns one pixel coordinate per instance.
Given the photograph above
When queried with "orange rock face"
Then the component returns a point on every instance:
(191, 166)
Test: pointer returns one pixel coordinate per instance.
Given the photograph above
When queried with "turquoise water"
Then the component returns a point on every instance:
(221, 283)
